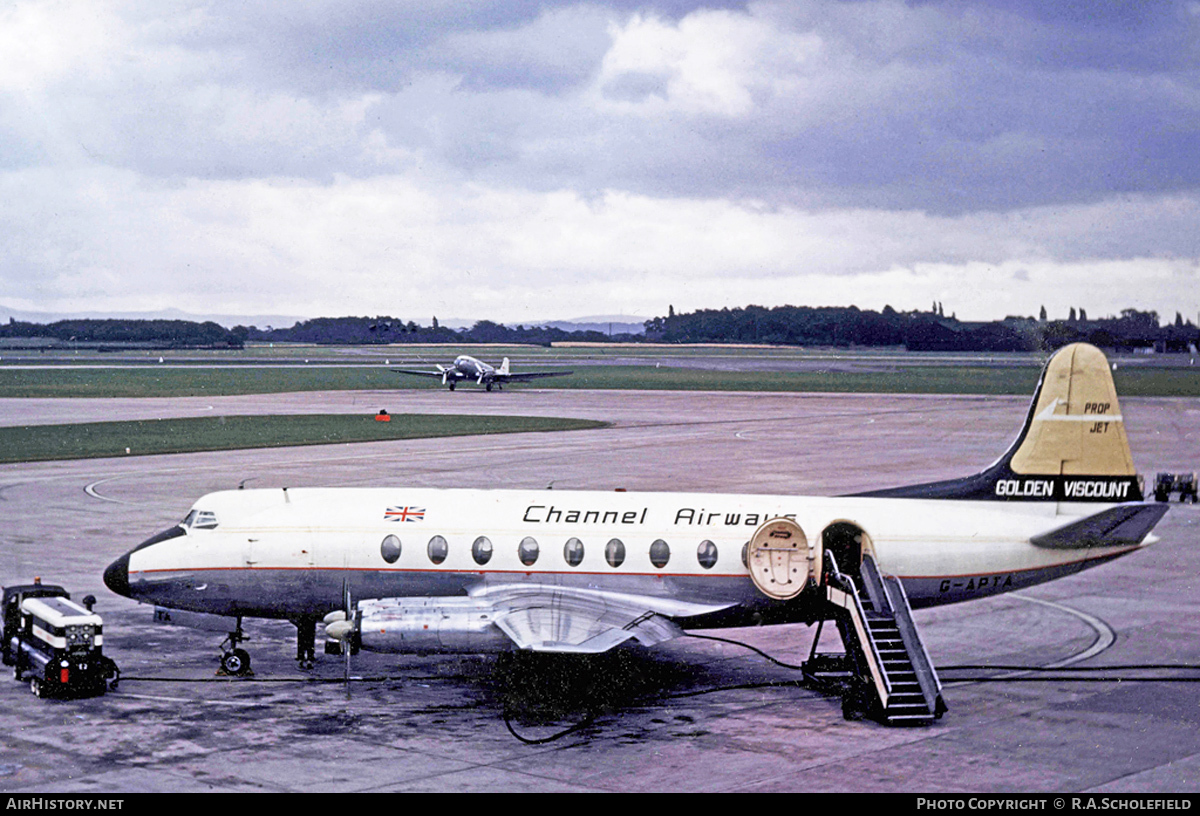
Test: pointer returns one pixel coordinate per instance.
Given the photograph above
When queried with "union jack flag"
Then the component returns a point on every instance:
(405, 514)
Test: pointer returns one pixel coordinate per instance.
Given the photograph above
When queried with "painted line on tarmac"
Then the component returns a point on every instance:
(1105, 636)
(159, 699)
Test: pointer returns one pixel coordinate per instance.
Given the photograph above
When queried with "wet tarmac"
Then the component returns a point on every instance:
(691, 715)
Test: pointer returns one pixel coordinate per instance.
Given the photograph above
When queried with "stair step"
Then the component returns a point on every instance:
(885, 635)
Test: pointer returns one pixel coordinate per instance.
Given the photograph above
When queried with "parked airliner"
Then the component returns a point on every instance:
(417, 569)
(467, 368)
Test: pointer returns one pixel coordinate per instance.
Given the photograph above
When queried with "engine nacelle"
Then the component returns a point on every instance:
(430, 624)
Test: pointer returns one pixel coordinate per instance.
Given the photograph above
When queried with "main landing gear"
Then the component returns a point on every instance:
(306, 642)
(235, 661)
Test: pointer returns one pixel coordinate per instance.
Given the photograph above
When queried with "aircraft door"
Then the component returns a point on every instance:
(846, 542)
(781, 560)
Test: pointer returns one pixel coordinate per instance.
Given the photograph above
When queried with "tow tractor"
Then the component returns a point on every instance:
(54, 644)
(1185, 484)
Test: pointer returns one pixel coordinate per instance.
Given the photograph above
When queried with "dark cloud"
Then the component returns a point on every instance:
(944, 106)
(953, 122)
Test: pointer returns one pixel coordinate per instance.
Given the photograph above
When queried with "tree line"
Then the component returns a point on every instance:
(781, 325)
(388, 330)
(113, 334)
(918, 330)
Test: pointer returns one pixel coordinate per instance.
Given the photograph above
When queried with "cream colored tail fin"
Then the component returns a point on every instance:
(1075, 427)
(1072, 447)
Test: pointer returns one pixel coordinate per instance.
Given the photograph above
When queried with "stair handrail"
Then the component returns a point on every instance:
(873, 583)
(845, 584)
(927, 677)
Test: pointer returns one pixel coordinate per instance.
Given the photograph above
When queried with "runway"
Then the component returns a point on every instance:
(691, 715)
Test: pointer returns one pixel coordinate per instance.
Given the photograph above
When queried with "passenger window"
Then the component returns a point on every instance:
(573, 552)
(706, 554)
(528, 551)
(390, 549)
(746, 555)
(438, 549)
(614, 552)
(660, 553)
(481, 550)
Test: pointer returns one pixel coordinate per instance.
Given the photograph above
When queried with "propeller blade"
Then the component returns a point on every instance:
(348, 623)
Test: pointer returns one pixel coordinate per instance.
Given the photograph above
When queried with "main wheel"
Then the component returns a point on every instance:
(35, 686)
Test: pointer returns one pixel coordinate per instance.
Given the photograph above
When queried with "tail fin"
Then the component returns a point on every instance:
(1072, 447)
(503, 367)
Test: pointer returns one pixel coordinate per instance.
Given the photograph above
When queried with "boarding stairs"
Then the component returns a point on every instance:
(884, 671)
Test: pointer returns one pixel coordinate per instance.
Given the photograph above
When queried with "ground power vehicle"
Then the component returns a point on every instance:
(1182, 483)
(54, 644)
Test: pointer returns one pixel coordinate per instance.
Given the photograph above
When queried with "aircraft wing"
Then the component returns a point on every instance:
(563, 619)
(443, 374)
(527, 375)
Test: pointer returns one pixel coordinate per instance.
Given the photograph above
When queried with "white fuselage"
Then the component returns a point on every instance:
(291, 553)
(472, 369)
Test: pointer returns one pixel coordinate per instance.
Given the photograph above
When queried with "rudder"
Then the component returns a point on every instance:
(1071, 448)
(1075, 426)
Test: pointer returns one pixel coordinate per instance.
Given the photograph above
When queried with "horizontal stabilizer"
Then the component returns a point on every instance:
(1123, 525)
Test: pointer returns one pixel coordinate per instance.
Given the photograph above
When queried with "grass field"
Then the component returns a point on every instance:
(198, 380)
(102, 439)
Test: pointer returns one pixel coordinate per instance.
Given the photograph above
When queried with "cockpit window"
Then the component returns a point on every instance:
(200, 520)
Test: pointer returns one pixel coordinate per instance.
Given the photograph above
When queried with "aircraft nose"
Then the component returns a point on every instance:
(116, 577)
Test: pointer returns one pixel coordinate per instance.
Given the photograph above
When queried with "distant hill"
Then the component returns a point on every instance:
(615, 324)
(605, 324)
(228, 321)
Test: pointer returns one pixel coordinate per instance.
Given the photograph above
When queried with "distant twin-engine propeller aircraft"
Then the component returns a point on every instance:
(584, 571)
(468, 368)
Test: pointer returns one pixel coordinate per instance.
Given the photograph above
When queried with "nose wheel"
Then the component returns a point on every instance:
(235, 661)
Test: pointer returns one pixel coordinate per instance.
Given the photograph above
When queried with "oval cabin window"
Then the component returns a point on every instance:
(573, 552)
(528, 551)
(390, 549)
(481, 550)
(660, 553)
(438, 549)
(706, 554)
(614, 552)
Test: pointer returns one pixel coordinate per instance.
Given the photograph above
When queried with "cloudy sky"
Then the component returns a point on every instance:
(522, 161)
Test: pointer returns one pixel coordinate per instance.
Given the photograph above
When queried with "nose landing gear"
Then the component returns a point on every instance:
(235, 661)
